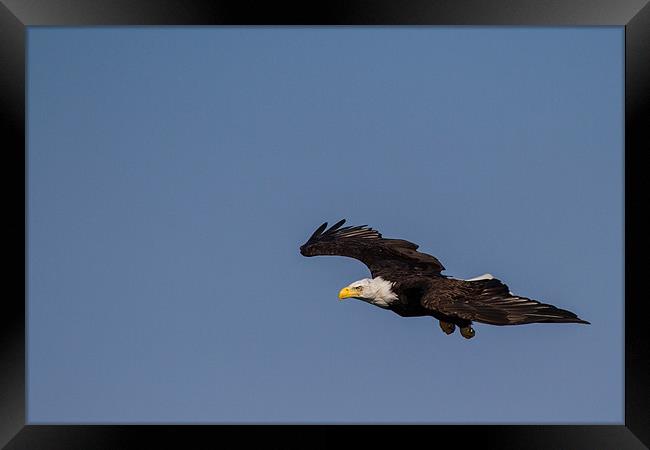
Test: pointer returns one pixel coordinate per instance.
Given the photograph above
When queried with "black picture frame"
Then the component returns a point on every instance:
(17, 15)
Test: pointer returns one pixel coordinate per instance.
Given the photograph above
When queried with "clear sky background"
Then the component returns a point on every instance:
(174, 172)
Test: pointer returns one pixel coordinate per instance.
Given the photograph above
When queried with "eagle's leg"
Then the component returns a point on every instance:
(467, 332)
(447, 327)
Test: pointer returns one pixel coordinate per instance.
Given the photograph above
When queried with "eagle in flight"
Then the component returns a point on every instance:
(410, 283)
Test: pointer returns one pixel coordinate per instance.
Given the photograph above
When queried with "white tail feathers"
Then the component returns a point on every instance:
(485, 276)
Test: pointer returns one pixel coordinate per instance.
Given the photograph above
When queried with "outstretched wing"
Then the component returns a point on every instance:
(490, 301)
(384, 257)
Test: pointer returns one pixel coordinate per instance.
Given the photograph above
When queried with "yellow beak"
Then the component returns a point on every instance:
(347, 292)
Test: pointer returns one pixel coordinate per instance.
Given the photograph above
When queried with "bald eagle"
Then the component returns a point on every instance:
(410, 283)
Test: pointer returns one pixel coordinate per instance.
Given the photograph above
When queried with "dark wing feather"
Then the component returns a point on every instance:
(389, 258)
(490, 301)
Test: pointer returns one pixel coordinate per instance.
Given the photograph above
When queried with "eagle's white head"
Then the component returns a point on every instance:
(372, 290)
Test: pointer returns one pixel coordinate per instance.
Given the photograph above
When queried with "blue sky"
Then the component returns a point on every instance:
(174, 172)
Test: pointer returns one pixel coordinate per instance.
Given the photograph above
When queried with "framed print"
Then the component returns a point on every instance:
(178, 156)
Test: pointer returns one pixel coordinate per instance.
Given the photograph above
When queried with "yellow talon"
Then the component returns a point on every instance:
(467, 332)
(447, 327)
